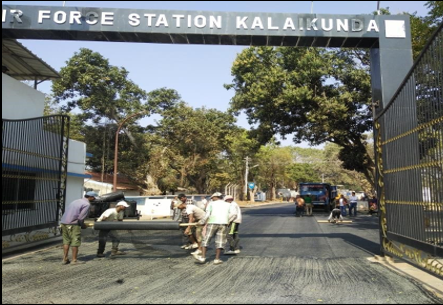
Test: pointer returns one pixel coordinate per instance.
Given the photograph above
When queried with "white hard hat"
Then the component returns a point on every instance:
(217, 194)
(122, 203)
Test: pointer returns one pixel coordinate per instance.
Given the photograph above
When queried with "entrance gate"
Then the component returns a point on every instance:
(34, 171)
(410, 163)
(411, 194)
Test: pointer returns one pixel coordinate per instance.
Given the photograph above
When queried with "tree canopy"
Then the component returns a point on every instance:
(314, 95)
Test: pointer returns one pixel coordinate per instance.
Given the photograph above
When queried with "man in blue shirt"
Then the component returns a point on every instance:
(72, 222)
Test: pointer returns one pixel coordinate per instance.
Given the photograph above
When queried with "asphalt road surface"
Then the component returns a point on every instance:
(284, 259)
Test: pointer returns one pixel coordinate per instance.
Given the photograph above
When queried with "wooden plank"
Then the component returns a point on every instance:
(326, 221)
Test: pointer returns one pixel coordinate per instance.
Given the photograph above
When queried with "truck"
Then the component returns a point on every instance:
(320, 193)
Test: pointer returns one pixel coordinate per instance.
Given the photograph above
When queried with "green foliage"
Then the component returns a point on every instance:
(194, 140)
(303, 172)
(89, 83)
(316, 95)
(423, 27)
(273, 162)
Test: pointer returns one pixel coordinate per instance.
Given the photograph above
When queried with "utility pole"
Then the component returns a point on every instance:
(116, 147)
(246, 178)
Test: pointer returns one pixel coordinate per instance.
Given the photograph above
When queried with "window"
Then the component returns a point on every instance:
(18, 191)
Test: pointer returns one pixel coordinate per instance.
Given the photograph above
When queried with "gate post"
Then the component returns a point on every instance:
(390, 63)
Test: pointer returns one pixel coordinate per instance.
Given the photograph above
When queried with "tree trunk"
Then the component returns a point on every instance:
(272, 192)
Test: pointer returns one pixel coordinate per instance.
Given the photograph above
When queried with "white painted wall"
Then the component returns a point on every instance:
(76, 157)
(20, 101)
(76, 166)
(74, 189)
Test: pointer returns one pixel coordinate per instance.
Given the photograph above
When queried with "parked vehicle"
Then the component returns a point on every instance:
(160, 205)
(285, 194)
(320, 193)
(107, 201)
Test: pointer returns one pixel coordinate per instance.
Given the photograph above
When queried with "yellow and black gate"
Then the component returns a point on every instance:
(34, 172)
(409, 149)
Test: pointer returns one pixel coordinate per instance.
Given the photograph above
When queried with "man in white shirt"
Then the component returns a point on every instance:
(113, 214)
(218, 215)
(233, 236)
(353, 204)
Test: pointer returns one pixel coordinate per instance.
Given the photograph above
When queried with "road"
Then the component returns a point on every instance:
(284, 260)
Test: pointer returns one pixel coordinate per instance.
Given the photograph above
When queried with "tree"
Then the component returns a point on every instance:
(99, 90)
(194, 141)
(240, 146)
(422, 28)
(104, 96)
(303, 172)
(272, 164)
(316, 95)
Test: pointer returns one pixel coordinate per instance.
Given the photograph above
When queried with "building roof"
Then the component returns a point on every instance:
(123, 183)
(20, 63)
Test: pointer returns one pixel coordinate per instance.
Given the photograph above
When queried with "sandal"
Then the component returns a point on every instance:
(78, 262)
(66, 262)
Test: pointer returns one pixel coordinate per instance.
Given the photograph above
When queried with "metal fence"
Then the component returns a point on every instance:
(34, 171)
(409, 146)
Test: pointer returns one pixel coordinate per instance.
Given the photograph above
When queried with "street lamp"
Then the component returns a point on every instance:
(116, 147)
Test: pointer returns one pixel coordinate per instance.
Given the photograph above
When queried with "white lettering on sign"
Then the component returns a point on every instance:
(162, 21)
(134, 19)
(107, 18)
(288, 23)
(312, 25)
(270, 26)
(215, 22)
(200, 21)
(257, 23)
(43, 15)
(372, 26)
(308, 24)
(16, 14)
(92, 18)
(329, 27)
(178, 19)
(343, 25)
(356, 25)
(75, 17)
(60, 17)
(149, 16)
(241, 22)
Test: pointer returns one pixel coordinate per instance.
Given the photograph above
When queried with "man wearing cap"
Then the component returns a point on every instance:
(218, 215)
(195, 233)
(233, 237)
(71, 224)
(113, 214)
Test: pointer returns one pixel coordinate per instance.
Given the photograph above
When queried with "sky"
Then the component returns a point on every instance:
(196, 72)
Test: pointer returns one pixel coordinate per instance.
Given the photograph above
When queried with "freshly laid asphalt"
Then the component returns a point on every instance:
(284, 259)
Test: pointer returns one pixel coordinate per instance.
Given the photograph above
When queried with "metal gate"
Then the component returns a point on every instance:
(409, 148)
(34, 172)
